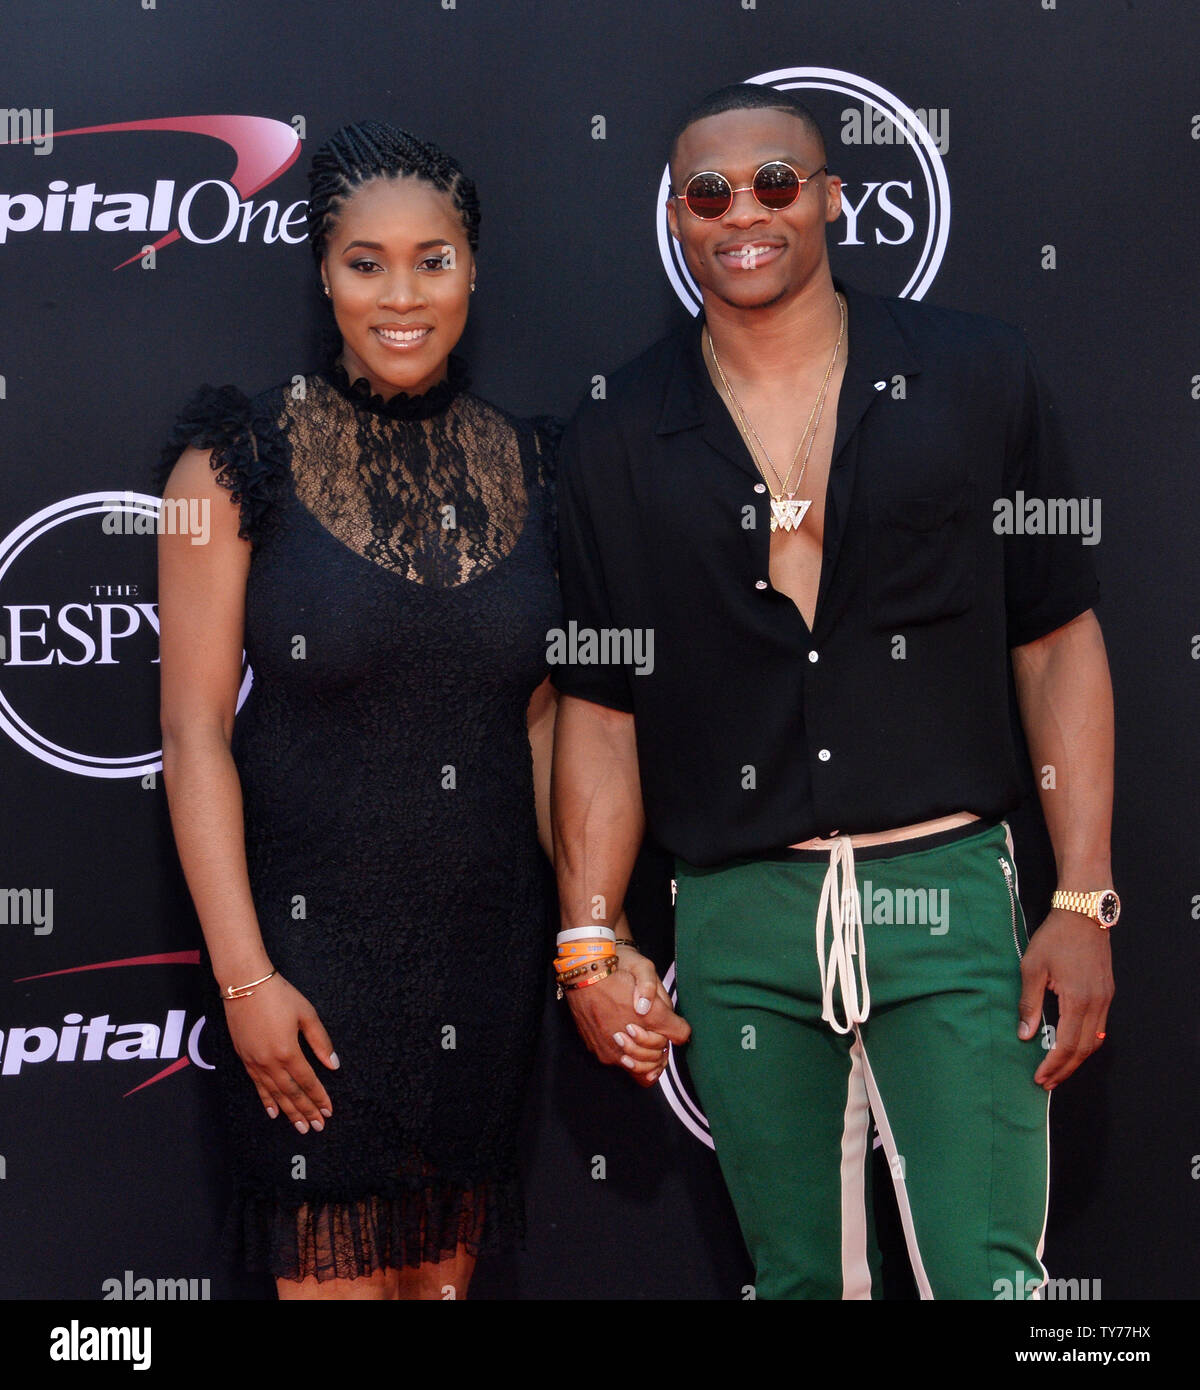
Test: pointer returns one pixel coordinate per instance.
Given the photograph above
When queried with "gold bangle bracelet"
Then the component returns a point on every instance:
(244, 991)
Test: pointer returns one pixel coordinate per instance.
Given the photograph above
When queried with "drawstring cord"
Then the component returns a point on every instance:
(848, 940)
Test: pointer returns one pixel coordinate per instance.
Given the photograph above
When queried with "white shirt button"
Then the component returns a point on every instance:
(824, 755)
(760, 487)
(813, 657)
(760, 583)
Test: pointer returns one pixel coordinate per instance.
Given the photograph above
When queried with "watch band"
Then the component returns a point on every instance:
(1102, 906)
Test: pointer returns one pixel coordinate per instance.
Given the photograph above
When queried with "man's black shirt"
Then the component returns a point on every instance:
(752, 732)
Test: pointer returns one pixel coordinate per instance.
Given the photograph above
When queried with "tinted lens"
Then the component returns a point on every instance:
(708, 195)
(776, 185)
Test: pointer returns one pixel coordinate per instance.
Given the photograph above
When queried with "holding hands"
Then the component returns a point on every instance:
(623, 1014)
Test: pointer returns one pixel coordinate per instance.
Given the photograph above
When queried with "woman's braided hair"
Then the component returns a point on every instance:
(373, 149)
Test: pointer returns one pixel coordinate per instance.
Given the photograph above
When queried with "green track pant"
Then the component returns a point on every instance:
(936, 1062)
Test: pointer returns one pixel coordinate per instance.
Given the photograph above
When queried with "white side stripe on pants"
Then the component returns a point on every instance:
(896, 1165)
(1041, 1245)
(856, 1129)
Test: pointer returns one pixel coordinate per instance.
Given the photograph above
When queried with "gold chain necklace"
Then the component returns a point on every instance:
(786, 513)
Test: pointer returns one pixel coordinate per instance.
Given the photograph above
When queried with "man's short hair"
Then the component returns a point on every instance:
(748, 96)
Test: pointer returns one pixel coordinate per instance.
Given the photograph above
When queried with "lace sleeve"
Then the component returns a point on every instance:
(249, 454)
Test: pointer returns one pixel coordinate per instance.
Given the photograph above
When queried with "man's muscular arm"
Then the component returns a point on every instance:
(1065, 697)
(596, 808)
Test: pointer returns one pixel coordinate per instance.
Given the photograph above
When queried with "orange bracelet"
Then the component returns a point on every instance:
(598, 950)
(588, 947)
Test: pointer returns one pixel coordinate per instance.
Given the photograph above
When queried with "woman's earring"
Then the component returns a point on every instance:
(327, 291)
(472, 286)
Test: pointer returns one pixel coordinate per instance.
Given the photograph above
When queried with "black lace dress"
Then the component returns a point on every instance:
(401, 585)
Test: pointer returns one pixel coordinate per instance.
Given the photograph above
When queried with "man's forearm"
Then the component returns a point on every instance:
(1065, 696)
(596, 810)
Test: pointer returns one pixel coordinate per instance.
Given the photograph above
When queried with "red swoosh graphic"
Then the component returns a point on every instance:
(264, 147)
(165, 958)
(178, 1063)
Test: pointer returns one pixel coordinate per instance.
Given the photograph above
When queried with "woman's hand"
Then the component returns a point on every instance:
(605, 1015)
(265, 1028)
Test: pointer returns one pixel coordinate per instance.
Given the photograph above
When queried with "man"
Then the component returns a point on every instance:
(797, 496)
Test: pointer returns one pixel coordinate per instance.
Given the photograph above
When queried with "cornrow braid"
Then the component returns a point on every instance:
(373, 149)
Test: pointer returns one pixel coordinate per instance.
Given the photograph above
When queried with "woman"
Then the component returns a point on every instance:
(362, 844)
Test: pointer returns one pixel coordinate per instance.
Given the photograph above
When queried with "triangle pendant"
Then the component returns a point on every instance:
(788, 512)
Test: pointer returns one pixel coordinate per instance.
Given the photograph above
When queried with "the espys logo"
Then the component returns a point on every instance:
(895, 196)
(79, 635)
(208, 211)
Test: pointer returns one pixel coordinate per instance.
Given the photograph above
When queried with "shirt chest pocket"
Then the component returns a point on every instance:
(921, 557)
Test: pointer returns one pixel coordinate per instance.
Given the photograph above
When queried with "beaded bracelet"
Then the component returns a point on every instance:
(590, 968)
(590, 975)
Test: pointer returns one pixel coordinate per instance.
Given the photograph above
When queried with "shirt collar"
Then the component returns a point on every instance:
(879, 351)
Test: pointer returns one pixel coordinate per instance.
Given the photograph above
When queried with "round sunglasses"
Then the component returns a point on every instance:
(775, 185)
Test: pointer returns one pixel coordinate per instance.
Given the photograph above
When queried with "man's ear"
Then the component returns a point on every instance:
(673, 217)
(833, 197)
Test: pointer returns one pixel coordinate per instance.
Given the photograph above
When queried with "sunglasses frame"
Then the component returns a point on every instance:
(801, 180)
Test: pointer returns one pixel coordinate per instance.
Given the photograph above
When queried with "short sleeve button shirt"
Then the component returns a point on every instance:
(754, 732)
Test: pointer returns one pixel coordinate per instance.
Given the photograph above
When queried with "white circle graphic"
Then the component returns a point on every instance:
(910, 126)
(136, 504)
(686, 1110)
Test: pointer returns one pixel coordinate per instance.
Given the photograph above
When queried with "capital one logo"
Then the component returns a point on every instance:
(79, 635)
(895, 219)
(207, 211)
(173, 1039)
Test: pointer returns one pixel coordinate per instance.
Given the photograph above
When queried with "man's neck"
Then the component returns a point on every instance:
(779, 342)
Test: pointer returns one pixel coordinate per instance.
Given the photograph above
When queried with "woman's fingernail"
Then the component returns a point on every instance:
(333, 1060)
(620, 1039)
(327, 1113)
(272, 1111)
(643, 1005)
(633, 1030)
(627, 1062)
(317, 1124)
(301, 1126)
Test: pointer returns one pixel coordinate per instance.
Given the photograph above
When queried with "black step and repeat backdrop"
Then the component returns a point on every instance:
(1035, 160)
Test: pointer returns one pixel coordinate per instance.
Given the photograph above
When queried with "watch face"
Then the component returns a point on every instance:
(1109, 908)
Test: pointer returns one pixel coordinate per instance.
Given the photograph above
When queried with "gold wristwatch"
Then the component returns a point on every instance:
(1102, 906)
